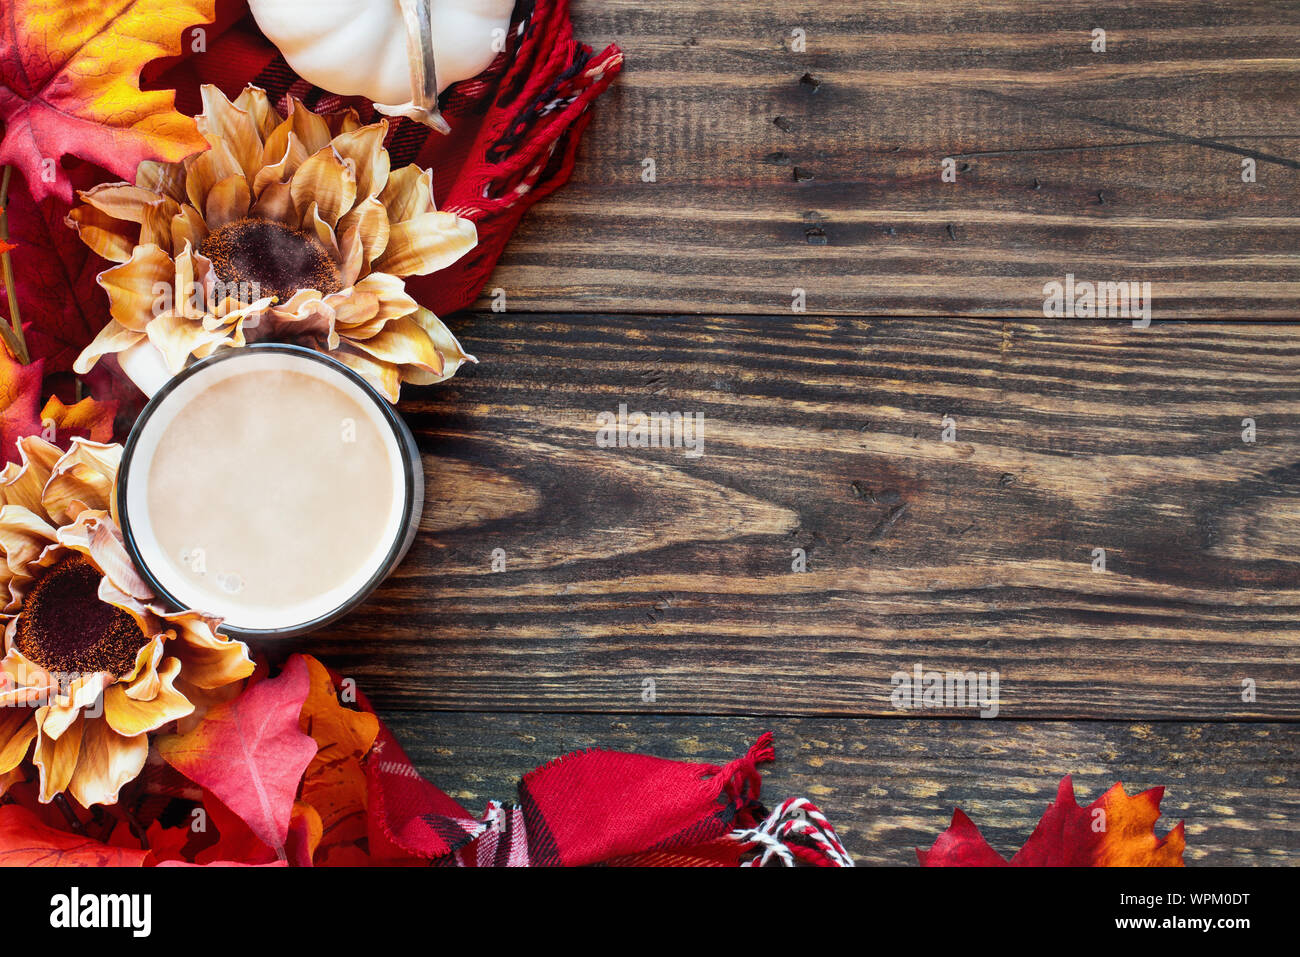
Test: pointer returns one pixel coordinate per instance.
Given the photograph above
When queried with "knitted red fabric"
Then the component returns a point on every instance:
(588, 807)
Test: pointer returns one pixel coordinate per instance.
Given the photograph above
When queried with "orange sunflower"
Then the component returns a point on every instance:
(287, 228)
(91, 665)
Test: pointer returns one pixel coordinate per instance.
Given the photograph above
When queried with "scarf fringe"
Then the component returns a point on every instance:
(795, 834)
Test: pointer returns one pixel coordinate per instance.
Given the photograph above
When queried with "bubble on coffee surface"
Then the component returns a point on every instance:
(230, 583)
(195, 559)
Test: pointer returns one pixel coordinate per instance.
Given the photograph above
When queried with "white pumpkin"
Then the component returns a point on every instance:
(380, 49)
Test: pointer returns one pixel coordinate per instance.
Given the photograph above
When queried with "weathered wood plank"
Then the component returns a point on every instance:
(777, 169)
(827, 436)
(889, 786)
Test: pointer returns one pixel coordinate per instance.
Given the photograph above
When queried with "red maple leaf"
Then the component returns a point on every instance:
(4, 246)
(27, 842)
(250, 754)
(1116, 830)
(61, 305)
(237, 842)
(70, 85)
(222, 864)
(168, 843)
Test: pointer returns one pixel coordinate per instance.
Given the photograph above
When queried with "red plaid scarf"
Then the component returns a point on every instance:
(599, 807)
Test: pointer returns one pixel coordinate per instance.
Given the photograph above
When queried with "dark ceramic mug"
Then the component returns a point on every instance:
(179, 581)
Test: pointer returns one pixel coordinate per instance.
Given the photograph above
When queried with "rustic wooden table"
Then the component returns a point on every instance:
(802, 147)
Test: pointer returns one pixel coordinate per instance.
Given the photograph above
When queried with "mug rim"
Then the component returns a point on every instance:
(406, 448)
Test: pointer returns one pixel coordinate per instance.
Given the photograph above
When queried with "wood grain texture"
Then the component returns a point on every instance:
(825, 435)
(777, 169)
(890, 786)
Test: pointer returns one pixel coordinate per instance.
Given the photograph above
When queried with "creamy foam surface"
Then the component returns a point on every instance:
(271, 492)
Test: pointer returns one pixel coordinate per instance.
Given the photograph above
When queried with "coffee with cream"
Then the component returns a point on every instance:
(268, 489)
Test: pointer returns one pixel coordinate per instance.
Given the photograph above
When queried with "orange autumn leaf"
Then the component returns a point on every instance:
(89, 419)
(305, 833)
(335, 782)
(1116, 830)
(11, 778)
(25, 841)
(70, 85)
(20, 396)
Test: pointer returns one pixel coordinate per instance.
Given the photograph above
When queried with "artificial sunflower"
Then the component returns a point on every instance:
(91, 665)
(287, 228)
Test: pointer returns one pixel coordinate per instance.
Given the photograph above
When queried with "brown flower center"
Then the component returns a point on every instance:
(65, 628)
(278, 259)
